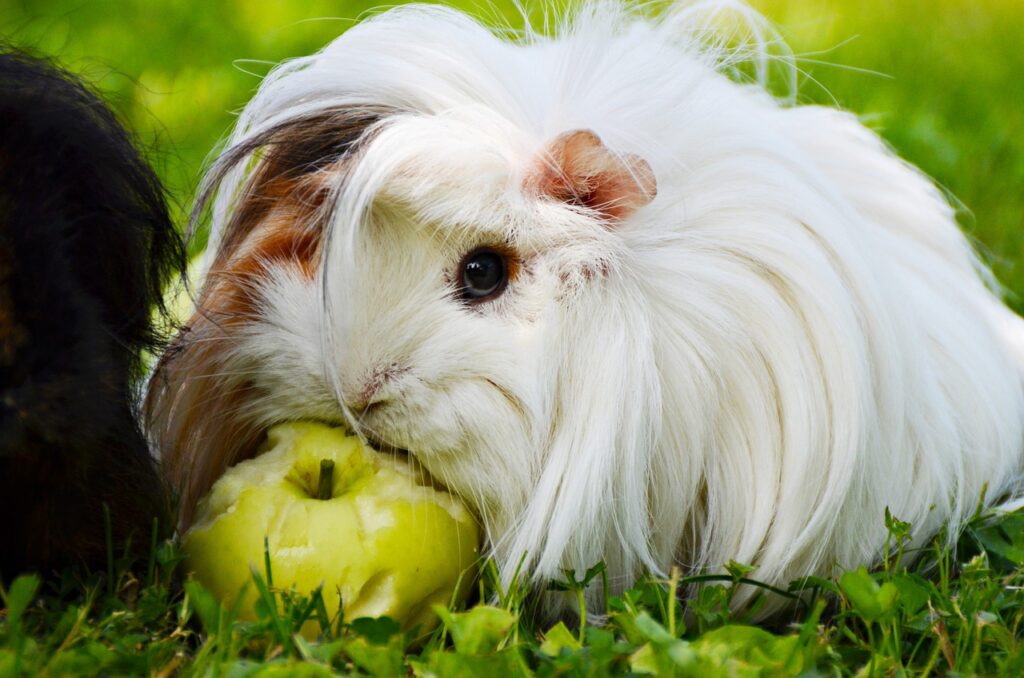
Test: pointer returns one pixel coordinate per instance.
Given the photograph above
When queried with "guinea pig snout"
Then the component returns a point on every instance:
(373, 388)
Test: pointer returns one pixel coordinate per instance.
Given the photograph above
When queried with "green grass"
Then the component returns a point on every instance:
(946, 93)
(956, 614)
(940, 79)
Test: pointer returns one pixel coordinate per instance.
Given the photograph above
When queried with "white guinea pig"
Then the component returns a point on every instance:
(628, 308)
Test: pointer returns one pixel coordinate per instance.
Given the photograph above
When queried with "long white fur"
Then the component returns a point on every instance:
(793, 336)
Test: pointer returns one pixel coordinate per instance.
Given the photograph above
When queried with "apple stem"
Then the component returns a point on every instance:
(326, 483)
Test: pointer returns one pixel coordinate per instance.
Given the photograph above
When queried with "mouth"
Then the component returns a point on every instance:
(404, 455)
(384, 447)
(375, 437)
(383, 426)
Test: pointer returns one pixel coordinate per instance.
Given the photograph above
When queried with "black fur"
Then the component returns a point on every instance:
(86, 246)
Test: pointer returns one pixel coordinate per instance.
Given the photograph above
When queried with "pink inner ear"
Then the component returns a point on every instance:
(577, 168)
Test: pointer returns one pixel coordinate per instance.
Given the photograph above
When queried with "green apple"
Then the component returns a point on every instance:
(382, 536)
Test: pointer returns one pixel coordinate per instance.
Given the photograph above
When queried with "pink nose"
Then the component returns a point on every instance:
(374, 389)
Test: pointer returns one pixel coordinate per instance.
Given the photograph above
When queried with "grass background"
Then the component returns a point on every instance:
(940, 79)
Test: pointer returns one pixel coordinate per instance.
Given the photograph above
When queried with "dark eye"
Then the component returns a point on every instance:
(483, 274)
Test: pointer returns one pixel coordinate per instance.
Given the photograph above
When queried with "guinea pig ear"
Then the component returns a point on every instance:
(578, 169)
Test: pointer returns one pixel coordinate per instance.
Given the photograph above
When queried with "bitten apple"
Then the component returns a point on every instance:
(374, 530)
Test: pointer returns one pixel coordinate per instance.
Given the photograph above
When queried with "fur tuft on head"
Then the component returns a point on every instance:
(721, 326)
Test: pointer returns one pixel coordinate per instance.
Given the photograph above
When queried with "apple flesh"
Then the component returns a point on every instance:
(385, 539)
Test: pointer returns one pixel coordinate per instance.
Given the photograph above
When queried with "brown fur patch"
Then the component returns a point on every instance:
(200, 408)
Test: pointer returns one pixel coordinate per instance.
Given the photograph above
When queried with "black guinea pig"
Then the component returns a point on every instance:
(86, 247)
